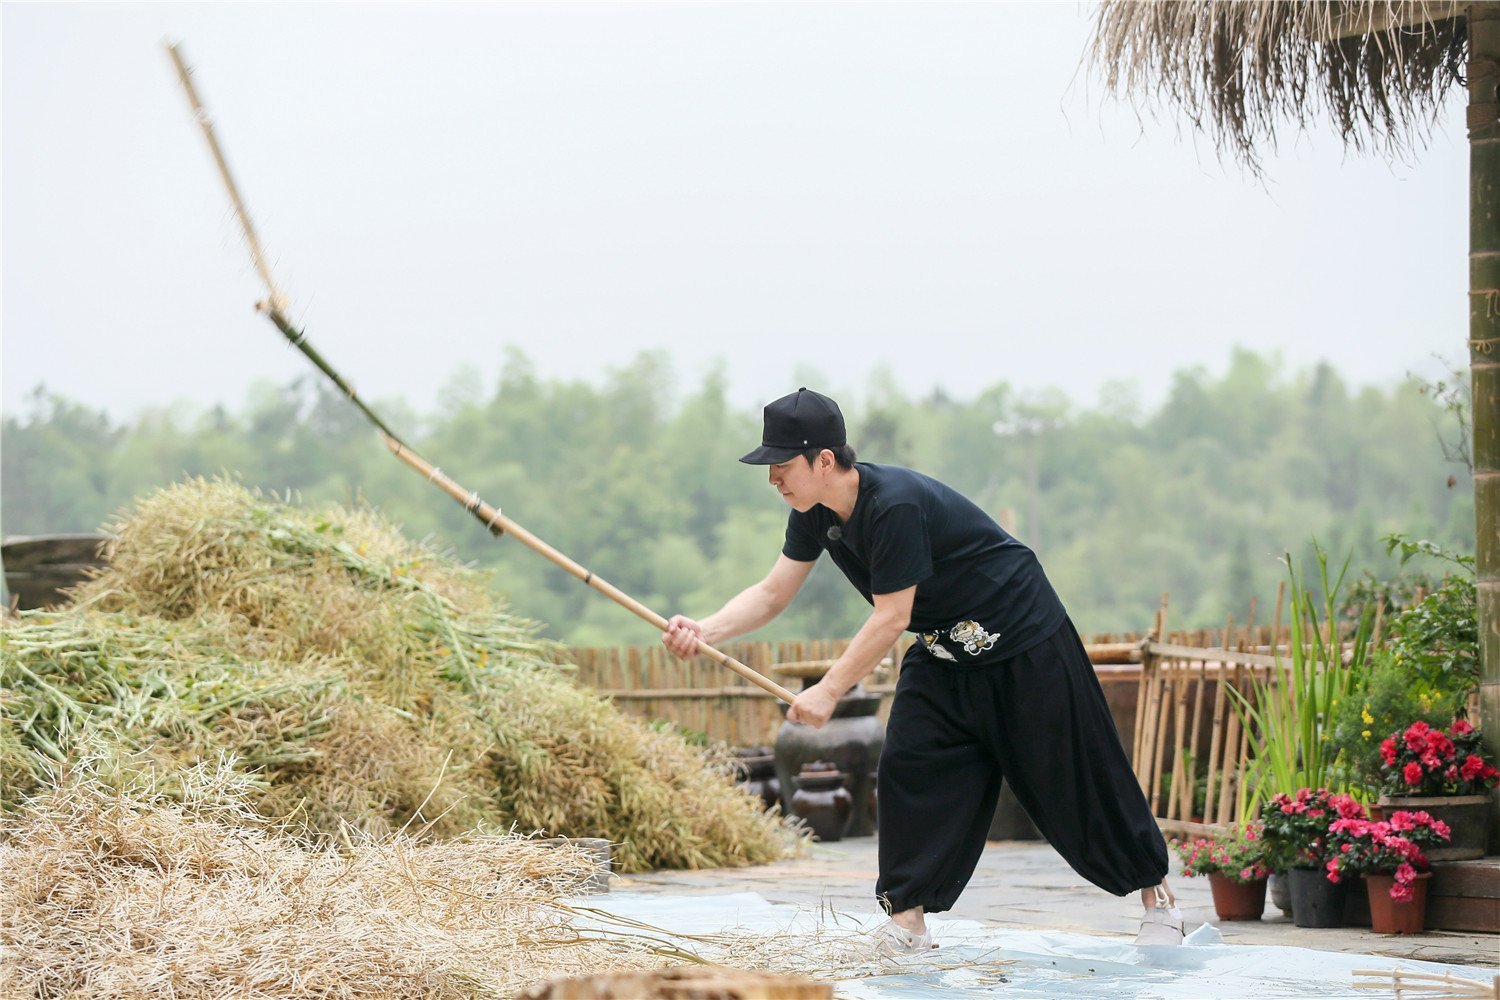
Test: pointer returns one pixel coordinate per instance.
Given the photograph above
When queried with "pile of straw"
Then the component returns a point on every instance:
(367, 683)
(126, 894)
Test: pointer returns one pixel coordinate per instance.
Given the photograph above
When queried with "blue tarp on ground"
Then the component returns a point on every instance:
(986, 960)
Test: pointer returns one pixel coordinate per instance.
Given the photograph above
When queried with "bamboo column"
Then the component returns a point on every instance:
(1484, 356)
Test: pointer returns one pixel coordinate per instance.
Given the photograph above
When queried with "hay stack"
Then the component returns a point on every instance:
(124, 894)
(370, 684)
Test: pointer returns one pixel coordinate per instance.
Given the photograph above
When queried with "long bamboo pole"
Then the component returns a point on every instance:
(499, 524)
(491, 517)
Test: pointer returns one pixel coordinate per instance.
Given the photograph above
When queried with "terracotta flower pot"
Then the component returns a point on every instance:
(1464, 814)
(1387, 916)
(1237, 900)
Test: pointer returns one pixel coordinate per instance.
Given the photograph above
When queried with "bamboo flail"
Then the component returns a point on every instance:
(489, 516)
(200, 115)
(497, 524)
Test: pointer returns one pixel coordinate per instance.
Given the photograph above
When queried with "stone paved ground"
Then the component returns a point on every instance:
(1026, 885)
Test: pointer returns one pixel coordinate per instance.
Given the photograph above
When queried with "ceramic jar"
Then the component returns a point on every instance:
(851, 741)
(755, 767)
(822, 801)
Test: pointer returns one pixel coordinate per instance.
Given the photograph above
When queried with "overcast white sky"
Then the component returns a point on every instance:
(927, 187)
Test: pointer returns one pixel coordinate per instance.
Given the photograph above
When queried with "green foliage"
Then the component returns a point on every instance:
(1436, 642)
(1289, 713)
(1386, 698)
(638, 480)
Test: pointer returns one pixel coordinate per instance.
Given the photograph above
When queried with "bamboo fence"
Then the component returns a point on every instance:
(1170, 699)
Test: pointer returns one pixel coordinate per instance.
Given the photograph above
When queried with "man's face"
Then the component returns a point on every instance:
(799, 482)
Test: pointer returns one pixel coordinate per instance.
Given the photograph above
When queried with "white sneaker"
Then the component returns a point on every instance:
(891, 940)
(1162, 923)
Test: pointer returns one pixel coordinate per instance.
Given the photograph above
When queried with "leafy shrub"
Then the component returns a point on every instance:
(1386, 698)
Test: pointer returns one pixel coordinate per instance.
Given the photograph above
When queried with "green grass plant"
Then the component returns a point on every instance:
(1288, 711)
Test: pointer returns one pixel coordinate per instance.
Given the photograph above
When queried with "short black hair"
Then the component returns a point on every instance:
(843, 455)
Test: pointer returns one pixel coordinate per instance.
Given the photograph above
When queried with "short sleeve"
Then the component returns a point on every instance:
(801, 542)
(900, 551)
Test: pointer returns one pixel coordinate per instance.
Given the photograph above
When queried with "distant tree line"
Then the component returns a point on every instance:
(638, 480)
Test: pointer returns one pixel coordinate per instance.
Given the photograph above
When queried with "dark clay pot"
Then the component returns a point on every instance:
(822, 801)
(1281, 892)
(851, 741)
(1316, 902)
(755, 769)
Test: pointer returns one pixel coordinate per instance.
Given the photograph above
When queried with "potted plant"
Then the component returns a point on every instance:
(1296, 833)
(1443, 772)
(1390, 854)
(1236, 868)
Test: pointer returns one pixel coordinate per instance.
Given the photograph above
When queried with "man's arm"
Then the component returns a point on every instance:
(745, 612)
(879, 633)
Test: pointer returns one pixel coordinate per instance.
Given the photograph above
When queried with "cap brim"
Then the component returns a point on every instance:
(769, 455)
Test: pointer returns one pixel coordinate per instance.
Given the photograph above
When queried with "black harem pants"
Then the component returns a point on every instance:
(1037, 720)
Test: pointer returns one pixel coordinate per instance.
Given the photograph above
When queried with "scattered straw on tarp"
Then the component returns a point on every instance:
(368, 683)
(109, 889)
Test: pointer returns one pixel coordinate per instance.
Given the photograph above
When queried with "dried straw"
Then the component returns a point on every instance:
(369, 683)
(1238, 70)
(125, 894)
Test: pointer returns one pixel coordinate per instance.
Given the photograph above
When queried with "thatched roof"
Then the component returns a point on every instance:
(1378, 70)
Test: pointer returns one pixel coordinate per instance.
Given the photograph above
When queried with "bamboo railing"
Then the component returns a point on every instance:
(1170, 699)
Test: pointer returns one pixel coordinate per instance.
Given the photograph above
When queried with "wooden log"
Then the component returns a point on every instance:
(1231, 754)
(1115, 652)
(1197, 730)
(1166, 692)
(1215, 746)
(701, 982)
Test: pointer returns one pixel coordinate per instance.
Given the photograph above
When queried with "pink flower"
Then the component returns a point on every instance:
(1347, 808)
(1405, 873)
(1412, 773)
(1401, 893)
(1472, 768)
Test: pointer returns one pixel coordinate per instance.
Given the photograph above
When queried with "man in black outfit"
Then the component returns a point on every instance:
(998, 684)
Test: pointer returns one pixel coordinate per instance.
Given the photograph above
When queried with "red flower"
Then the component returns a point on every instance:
(1416, 736)
(1412, 773)
(1388, 750)
(1461, 727)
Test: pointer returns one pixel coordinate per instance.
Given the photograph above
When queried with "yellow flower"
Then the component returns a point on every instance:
(1365, 734)
(1365, 715)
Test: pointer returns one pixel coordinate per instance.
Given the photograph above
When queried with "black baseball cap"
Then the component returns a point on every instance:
(796, 423)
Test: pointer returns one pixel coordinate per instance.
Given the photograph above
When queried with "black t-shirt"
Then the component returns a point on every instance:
(981, 595)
